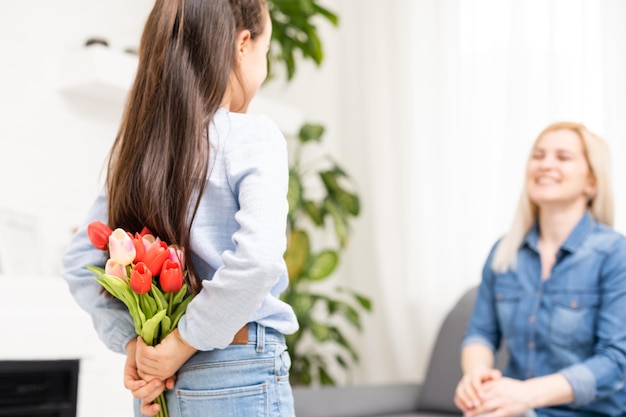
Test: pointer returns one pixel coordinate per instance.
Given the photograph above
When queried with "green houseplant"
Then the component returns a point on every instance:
(321, 348)
(323, 315)
(294, 31)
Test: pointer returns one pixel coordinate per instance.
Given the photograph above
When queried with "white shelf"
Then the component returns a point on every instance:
(98, 72)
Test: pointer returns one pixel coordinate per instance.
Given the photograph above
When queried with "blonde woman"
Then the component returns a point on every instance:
(553, 288)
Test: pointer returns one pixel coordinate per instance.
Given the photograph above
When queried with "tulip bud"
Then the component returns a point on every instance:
(171, 277)
(98, 234)
(140, 279)
(121, 247)
(115, 269)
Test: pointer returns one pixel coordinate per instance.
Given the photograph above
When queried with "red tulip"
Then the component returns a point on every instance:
(140, 248)
(141, 278)
(171, 277)
(98, 234)
(156, 253)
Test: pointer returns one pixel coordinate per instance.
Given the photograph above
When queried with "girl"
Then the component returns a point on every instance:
(192, 167)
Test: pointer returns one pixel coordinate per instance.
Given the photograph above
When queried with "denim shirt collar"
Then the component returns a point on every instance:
(574, 240)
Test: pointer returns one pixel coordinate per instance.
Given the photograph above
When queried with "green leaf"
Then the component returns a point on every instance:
(302, 305)
(150, 329)
(297, 253)
(341, 361)
(339, 220)
(180, 310)
(161, 302)
(96, 270)
(294, 195)
(315, 212)
(309, 132)
(330, 16)
(364, 302)
(121, 290)
(322, 265)
(320, 331)
(349, 202)
(179, 296)
(166, 326)
(325, 378)
(138, 309)
(342, 341)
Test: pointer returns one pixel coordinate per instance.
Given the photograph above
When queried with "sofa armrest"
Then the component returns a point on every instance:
(356, 401)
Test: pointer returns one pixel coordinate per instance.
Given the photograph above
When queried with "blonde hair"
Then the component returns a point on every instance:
(597, 154)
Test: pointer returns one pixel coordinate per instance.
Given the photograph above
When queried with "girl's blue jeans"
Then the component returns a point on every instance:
(247, 380)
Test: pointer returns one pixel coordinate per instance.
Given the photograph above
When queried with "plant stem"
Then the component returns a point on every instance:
(161, 401)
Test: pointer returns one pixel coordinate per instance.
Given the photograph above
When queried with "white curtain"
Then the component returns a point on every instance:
(440, 101)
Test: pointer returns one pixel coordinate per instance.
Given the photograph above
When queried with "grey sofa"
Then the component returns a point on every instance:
(432, 398)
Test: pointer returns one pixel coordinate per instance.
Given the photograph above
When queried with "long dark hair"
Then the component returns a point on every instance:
(159, 161)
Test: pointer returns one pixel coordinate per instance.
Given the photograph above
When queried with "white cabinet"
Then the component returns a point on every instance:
(40, 320)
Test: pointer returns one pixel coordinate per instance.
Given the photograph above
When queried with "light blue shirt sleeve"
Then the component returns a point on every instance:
(110, 316)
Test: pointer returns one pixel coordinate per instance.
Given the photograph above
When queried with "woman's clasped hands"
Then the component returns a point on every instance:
(486, 392)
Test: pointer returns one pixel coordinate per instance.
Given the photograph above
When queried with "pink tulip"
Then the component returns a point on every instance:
(121, 247)
(115, 269)
(140, 279)
(171, 277)
(177, 255)
(98, 234)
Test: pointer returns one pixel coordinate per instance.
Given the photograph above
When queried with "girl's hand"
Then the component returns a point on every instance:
(147, 392)
(163, 360)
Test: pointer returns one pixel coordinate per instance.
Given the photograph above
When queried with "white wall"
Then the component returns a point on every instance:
(53, 146)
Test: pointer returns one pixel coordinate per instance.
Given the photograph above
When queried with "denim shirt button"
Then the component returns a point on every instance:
(529, 374)
(531, 345)
(531, 319)
(499, 296)
(573, 304)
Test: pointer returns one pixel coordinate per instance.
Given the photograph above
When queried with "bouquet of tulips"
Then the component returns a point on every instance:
(147, 275)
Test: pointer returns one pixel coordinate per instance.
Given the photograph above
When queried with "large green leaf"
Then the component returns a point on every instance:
(294, 194)
(150, 329)
(339, 220)
(315, 212)
(320, 331)
(322, 265)
(297, 253)
(309, 132)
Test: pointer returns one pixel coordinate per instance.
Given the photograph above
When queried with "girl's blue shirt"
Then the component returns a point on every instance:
(238, 239)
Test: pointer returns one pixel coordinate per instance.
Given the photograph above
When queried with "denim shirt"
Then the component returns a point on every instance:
(238, 239)
(573, 323)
